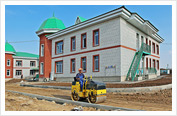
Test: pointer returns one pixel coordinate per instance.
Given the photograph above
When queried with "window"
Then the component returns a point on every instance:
(146, 63)
(8, 62)
(18, 62)
(137, 41)
(154, 63)
(150, 63)
(84, 64)
(96, 37)
(73, 43)
(73, 65)
(83, 41)
(59, 47)
(42, 68)
(32, 63)
(153, 47)
(8, 73)
(95, 63)
(18, 72)
(59, 67)
(158, 64)
(42, 49)
(157, 46)
(147, 41)
(142, 39)
(32, 72)
(150, 42)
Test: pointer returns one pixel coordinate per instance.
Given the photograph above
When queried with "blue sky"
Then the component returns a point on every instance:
(22, 21)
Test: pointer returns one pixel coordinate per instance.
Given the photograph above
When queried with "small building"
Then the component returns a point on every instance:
(115, 46)
(165, 71)
(20, 63)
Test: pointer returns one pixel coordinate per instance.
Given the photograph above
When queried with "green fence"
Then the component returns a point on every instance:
(146, 71)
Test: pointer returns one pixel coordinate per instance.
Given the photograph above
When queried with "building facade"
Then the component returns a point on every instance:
(108, 47)
(20, 63)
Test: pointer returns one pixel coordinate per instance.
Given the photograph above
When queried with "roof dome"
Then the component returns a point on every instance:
(52, 23)
(9, 48)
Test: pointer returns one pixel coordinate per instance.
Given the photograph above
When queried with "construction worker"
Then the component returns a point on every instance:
(80, 77)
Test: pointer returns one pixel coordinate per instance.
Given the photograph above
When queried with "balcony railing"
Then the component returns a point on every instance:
(146, 48)
(146, 71)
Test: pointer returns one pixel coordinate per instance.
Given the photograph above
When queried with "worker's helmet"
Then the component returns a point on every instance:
(80, 69)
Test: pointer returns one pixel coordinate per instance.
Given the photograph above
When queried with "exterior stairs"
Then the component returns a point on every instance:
(144, 50)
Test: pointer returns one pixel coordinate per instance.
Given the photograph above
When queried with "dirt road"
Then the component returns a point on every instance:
(17, 102)
(154, 101)
(157, 82)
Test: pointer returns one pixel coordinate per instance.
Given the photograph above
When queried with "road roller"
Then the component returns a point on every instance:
(94, 92)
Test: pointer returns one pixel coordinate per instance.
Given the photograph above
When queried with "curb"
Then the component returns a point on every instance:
(44, 86)
(135, 89)
(83, 104)
(140, 89)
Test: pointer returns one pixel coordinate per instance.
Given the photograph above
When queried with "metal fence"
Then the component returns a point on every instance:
(146, 71)
(146, 48)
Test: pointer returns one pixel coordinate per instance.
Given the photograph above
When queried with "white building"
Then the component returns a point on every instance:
(20, 63)
(104, 46)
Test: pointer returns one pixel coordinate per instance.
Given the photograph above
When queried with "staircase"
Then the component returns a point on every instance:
(144, 50)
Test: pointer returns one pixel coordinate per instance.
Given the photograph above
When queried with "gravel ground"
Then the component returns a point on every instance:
(17, 102)
(157, 82)
(152, 101)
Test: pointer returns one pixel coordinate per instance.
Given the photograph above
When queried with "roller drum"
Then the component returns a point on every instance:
(100, 99)
(96, 99)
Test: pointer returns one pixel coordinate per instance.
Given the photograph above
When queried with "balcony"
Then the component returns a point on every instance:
(146, 49)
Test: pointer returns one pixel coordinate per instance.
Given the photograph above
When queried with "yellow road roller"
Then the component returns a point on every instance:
(94, 92)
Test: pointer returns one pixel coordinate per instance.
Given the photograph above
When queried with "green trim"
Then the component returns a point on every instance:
(147, 53)
(24, 54)
(9, 48)
(82, 19)
(34, 69)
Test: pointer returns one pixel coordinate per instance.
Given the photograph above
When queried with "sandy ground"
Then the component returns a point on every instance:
(157, 82)
(153, 101)
(17, 102)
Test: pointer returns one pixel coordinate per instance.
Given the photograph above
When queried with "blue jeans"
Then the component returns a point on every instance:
(81, 83)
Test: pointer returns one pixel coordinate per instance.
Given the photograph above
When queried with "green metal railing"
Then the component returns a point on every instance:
(129, 71)
(144, 50)
(145, 71)
(152, 71)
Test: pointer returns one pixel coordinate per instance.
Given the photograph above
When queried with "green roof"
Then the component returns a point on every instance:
(35, 68)
(52, 23)
(24, 54)
(82, 19)
(9, 48)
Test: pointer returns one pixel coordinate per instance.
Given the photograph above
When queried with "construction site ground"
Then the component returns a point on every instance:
(150, 101)
(18, 102)
(155, 82)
